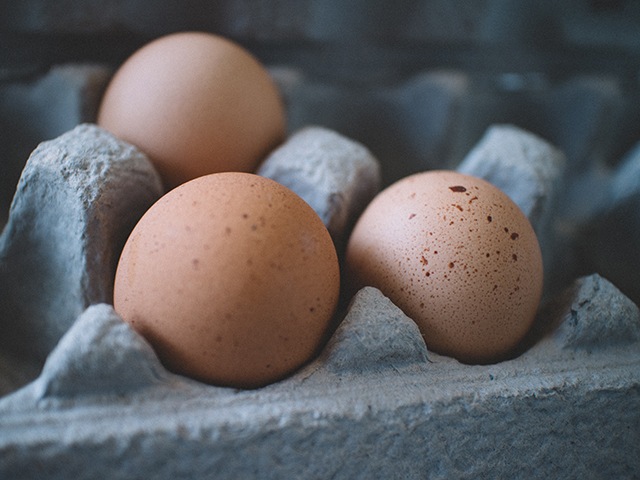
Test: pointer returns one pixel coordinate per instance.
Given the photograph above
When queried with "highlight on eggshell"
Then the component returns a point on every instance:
(458, 256)
(195, 103)
(232, 278)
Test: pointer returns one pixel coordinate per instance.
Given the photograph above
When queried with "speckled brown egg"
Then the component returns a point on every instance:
(457, 256)
(232, 278)
(196, 103)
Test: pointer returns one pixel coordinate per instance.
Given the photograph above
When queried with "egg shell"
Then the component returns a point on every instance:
(457, 256)
(195, 103)
(232, 278)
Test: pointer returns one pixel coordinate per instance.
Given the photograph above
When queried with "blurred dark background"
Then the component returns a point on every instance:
(358, 41)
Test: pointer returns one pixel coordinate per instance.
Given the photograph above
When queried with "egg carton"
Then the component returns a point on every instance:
(84, 396)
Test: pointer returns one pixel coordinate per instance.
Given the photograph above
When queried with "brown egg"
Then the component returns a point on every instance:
(457, 256)
(196, 104)
(232, 278)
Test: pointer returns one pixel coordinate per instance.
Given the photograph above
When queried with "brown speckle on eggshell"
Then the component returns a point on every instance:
(232, 278)
(458, 256)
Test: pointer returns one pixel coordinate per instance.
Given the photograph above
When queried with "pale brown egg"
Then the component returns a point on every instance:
(457, 256)
(232, 278)
(196, 103)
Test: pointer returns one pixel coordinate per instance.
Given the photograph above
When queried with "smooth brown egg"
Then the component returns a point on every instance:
(196, 103)
(232, 278)
(457, 256)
